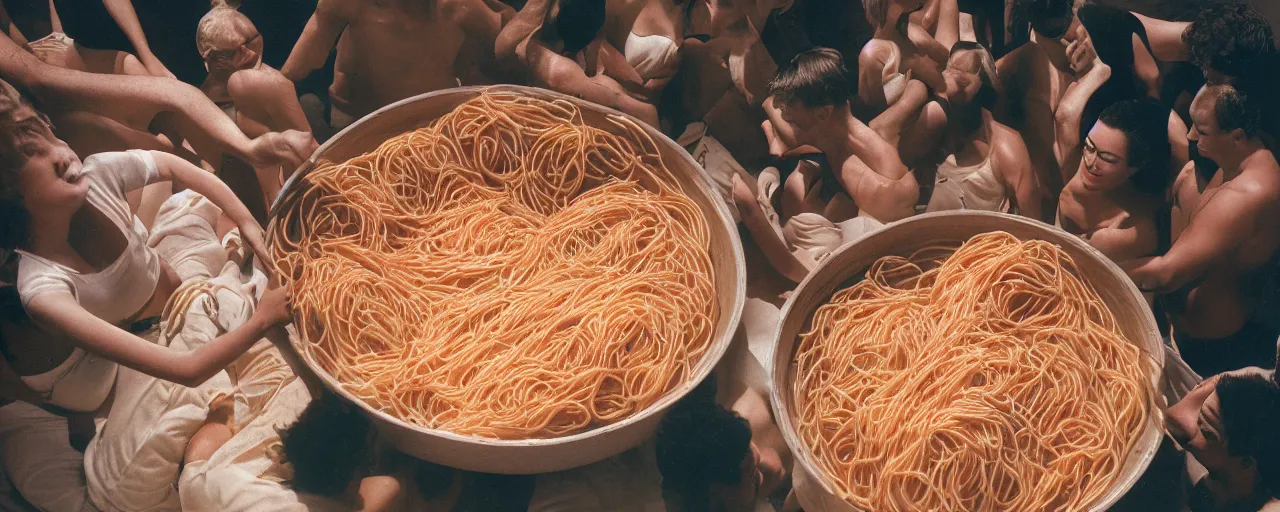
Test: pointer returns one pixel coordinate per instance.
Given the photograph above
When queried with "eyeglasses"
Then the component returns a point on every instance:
(212, 54)
(1091, 154)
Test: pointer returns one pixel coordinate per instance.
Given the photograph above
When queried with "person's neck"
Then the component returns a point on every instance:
(50, 236)
(1234, 164)
(836, 139)
(1053, 49)
(966, 123)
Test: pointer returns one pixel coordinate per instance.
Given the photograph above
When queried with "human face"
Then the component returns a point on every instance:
(1104, 165)
(49, 175)
(751, 480)
(963, 77)
(247, 55)
(1210, 141)
(1209, 443)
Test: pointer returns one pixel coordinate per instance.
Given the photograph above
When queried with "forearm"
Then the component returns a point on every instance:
(1068, 116)
(13, 388)
(1156, 275)
(198, 365)
(127, 19)
(879, 155)
(523, 25)
(205, 184)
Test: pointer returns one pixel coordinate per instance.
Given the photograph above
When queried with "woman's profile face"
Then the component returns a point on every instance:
(47, 172)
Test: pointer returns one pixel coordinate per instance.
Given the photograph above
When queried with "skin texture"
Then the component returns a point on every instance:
(917, 51)
(71, 232)
(1101, 206)
(1224, 229)
(393, 50)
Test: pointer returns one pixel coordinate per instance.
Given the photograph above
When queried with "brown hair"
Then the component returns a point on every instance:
(815, 78)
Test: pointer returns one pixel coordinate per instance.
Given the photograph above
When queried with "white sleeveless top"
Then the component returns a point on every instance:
(974, 187)
(84, 380)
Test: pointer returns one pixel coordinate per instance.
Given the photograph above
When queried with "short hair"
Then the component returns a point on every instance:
(1042, 15)
(877, 11)
(989, 93)
(15, 220)
(817, 77)
(221, 28)
(1145, 125)
(579, 22)
(1250, 409)
(1231, 38)
(698, 444)
(328, 446)
(1233, 109)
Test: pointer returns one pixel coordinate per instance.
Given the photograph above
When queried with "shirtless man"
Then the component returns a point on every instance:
(1037, 75)
(390, 50)
(557, 44)
(1226, 232)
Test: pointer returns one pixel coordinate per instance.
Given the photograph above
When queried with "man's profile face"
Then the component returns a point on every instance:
(1209, 139)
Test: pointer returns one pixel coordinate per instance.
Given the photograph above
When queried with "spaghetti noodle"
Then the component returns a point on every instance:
(991, 378)
(506, 272)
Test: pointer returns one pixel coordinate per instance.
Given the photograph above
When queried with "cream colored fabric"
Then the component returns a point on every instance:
(628, 482)
(719, 165)
(652, 56)
(39, 460)
(185, 237)
(974, 187)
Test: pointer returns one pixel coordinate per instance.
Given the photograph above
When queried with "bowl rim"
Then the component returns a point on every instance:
(779, 372)
(719, 344)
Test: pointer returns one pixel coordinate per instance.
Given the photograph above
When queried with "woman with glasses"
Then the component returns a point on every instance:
(1116, 197)
(254, 95)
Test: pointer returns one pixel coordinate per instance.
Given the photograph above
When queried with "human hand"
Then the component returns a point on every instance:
(275, 307)
(1081, 55)
(155, 67)
(287, 149)
(252, 236)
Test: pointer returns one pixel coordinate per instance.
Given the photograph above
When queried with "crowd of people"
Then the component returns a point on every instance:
(146, 365)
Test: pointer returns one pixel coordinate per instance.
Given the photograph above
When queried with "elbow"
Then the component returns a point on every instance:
(188, 372)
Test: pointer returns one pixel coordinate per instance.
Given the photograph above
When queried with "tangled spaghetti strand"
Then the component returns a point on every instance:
(506, 272)
(991, 378)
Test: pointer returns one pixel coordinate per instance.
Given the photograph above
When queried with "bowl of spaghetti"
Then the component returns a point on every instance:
(506, 279)
(967, 361)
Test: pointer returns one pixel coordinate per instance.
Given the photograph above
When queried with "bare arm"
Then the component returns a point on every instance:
(1013, 164)
(1166, 38)
(1124, 243)
(520, 29)
(60, 313)
(269, 96)
(317, 40)
(929, 46)
(1067, 118)
(211, 187)
(565, 76)
(871, 63)
(872, 149)
(765, 234)
(1218, 230)
(122, 11)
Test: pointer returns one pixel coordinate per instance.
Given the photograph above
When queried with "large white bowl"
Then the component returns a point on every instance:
(901, 239)
(540, 455)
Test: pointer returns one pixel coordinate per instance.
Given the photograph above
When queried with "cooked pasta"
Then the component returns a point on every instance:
(506, 272)
(988, 377)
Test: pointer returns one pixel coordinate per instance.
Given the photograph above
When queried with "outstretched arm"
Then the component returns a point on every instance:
(565, 76)
(122, 11)
(317, 40)
(521, 27)
(117, 96)
(61, 313)
(1217, 231)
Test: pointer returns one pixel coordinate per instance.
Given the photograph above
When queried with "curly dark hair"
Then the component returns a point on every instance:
(578, 23)
(1144, 123)
(328, 447)
(698, 444)
(1231, 38)
(1250, 409)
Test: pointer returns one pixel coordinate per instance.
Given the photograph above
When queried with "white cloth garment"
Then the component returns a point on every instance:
(653, 56)
(973, 187)
(39, 460)
(123, 288)
(716, 161)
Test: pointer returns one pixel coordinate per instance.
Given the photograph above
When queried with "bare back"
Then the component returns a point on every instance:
(394, 49)
(1224, 300)
(1033, 89)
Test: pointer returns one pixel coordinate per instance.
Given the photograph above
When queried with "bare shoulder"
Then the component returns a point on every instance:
(340, 9)
(1259, 182)
(264, 82)
(1186, 177)
(1010, 67)
(876, 51)
(1007, 145)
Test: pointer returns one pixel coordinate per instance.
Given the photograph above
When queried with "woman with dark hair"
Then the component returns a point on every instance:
(1115, 197)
